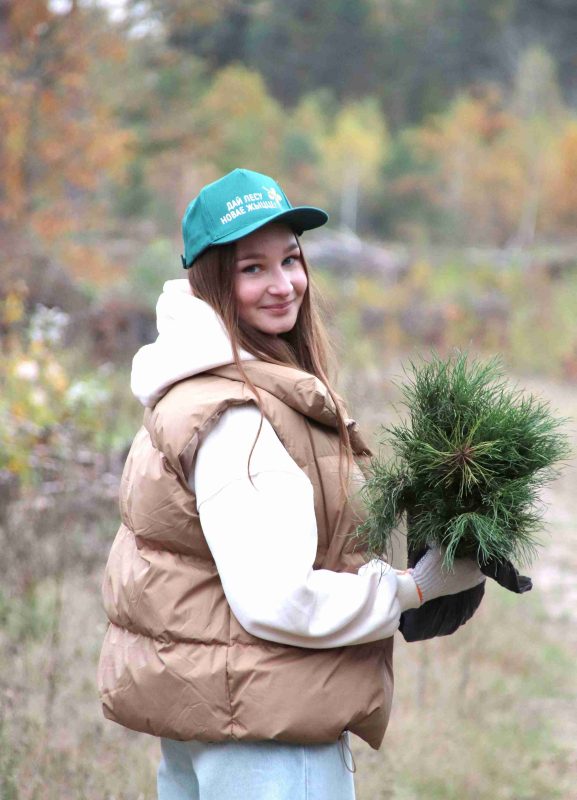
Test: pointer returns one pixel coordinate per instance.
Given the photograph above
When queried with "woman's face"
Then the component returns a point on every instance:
(270, 279)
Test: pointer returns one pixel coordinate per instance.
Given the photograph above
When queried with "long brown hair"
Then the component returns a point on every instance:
(305, 347)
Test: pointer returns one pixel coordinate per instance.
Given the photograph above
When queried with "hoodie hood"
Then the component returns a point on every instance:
(191, 339)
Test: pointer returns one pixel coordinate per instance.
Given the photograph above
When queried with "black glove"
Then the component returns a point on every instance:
(507, 576)
(444, 615)
(441, 616)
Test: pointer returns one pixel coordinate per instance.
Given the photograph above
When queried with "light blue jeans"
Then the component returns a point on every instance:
(255, 771)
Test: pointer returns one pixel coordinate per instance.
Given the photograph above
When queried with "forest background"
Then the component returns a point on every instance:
(442, 138)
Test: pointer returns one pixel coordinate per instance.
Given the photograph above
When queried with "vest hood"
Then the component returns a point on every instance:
(302, 392)
(191, 339)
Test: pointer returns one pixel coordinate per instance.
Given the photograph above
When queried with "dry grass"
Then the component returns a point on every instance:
(488, 714)
(480, 714)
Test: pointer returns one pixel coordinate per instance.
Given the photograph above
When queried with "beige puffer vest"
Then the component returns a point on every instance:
(175, 661)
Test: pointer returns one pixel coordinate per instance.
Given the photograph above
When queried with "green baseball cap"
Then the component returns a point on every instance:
(236, 205)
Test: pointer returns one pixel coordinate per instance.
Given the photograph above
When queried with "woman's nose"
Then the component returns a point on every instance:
(280, 283)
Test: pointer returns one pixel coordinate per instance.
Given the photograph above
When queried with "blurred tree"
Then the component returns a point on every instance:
(475, 171)
(430, 50)
(239, 123)
(306, 44)
(61, 144)
(102, 131)
(537, 103)
(302, 148)
(403, 205)
(354, 151)
(216, 31)
(413, 55)
(493, 168)
(157, 95)
(132, 198)
(297, 47)
(560, 190)
(552, 25)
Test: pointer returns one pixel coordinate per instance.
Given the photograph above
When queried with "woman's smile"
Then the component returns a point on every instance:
(279, 308)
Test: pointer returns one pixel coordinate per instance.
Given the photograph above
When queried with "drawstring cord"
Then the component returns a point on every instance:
(345, 747)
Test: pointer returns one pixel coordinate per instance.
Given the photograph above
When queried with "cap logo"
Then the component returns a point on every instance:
(256, 201)
(273, 194)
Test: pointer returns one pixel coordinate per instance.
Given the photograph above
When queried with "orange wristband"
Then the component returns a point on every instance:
(419, 592)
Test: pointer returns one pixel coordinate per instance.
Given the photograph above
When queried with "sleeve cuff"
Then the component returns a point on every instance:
(407, 591)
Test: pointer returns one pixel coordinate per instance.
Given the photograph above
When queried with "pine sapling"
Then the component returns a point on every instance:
(468, 464)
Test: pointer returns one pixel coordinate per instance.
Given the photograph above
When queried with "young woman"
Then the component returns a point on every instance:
(245, 628)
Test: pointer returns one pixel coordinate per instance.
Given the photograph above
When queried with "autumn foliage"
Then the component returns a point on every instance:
(108, 129)
(62, 142)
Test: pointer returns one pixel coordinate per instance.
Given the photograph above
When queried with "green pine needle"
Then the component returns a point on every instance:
(468, 464)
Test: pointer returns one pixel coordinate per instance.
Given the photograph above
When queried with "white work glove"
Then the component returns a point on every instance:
(434, 580)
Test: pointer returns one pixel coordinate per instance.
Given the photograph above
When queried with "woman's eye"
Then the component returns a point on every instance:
(251, 269)
(290, 260)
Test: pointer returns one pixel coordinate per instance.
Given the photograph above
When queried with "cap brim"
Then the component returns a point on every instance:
(302, 218)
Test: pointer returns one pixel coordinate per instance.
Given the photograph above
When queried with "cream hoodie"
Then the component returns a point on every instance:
(263, 534)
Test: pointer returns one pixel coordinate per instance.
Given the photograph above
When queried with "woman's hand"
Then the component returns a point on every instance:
(434, 580)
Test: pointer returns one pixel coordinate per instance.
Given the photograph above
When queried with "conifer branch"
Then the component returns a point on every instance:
(468, 464)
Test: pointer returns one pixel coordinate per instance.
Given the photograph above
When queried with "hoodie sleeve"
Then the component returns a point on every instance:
(263, 538)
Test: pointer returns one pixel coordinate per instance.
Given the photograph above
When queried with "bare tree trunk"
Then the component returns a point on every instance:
(350, 198)
(527, 230)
